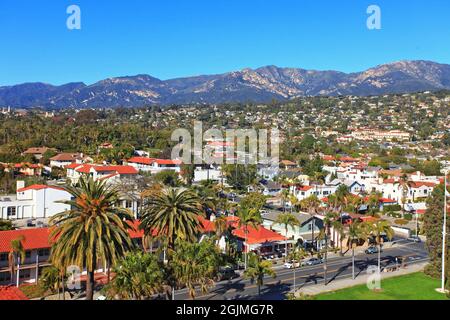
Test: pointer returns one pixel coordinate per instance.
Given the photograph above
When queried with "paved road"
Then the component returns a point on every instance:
(338, 268)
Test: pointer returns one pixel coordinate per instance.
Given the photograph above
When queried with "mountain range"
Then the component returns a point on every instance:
(256, 85)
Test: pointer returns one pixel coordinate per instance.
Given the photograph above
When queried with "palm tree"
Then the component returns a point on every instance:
(16, 255)
(377, 230)
(284, 198)
(287, 220)
(373, 202)
(356, 232)
(339, 229)
(312, 205)
(173, 213)
(248, 218)
(297, 255)
(258, 269)
(195, 265)
(53, 279)
(221, 226)
(325, 234)
(138, 276)
(93, 231)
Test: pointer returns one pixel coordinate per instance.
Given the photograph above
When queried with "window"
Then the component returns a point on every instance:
(27, 254)
(44, 252)
(3, 257)
(128, 204)
(11, 211)
(5, 277)
(25, 274)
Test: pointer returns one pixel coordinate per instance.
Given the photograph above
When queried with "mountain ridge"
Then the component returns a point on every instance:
(258, 85)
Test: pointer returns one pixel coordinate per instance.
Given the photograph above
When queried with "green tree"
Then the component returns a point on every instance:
(16, 255)
(432, 224)
(377, 230)
(172, 213)
(6, 225)
(248, 218)
(287, 220)
(357, 232)
(257, 270)
(138, 276)
(195, 265)
(94, 229)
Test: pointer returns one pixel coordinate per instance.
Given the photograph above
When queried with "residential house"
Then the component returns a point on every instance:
(33, 202)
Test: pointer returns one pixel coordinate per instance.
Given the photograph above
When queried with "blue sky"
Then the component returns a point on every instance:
(176, 38)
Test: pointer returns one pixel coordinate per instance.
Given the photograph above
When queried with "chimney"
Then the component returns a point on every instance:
(20, 184)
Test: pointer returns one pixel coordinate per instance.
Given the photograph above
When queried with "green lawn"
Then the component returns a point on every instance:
(415, 286)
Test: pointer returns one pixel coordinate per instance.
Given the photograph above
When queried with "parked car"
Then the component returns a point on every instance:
(292, 264)
(30, 223)
(371, 250)
(312, 262)
(415, 239)
(263, 212)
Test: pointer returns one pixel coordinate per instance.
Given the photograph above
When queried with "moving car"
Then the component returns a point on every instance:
(291, 264)
(371, 250)
(415, 239)
(226, 274)
(312, 262)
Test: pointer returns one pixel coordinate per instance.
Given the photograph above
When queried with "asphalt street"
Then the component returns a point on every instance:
(338, 268)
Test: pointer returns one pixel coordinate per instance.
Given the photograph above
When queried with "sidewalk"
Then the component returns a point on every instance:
(361, 279)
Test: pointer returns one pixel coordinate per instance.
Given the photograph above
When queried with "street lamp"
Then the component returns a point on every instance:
(444, 231)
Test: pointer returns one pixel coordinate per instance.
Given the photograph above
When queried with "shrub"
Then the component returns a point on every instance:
(401, 222)
(408, 216)
(33, 291)
(392, 208)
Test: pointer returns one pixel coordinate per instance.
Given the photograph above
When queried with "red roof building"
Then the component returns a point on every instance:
(258, 235)
(12, 293)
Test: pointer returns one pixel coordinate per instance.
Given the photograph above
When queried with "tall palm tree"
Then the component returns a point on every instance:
(377, 230)
(297, 255)
(311, 205)
(173, 213)
(356, 232)
(325, 233)
(287, 220)
(16, 255)
(257, 270)
(248, 218)
(93, 232)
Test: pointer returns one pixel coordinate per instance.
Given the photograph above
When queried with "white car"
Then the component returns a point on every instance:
(292, 264)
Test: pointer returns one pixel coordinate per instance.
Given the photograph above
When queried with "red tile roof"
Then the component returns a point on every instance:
(419, 184)
(37, 238)
(141, 160)
(118, 169)
(65, 157)
(259, 235)
(38, 187)
(73, 166)
(150, 161)
(304, 188)
(86, 168)
(12, 293)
